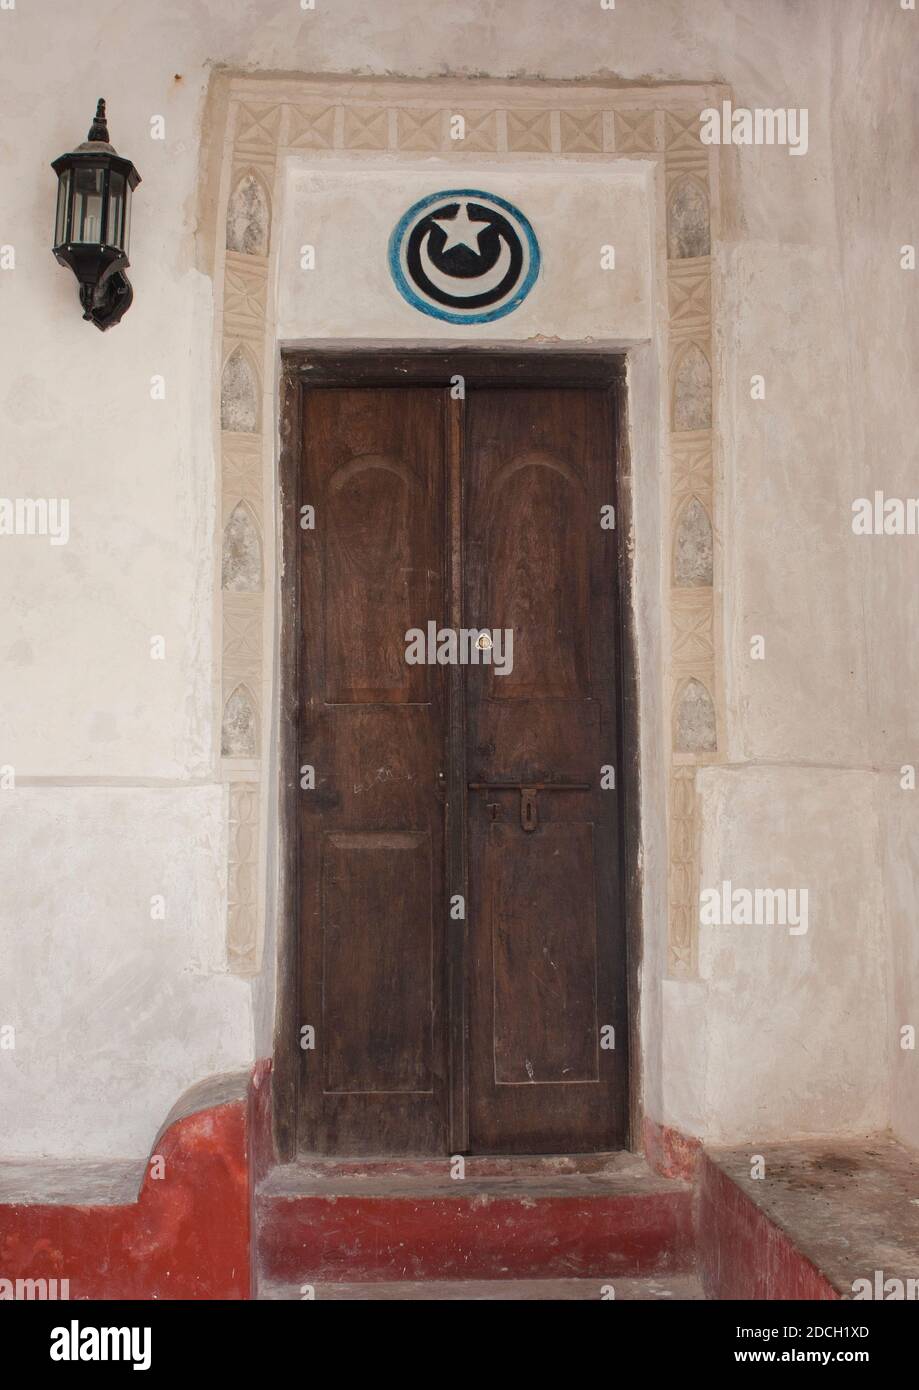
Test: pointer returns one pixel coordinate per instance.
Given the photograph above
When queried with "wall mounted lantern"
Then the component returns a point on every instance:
(93, 222)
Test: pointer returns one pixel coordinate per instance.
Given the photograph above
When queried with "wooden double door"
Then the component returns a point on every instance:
(461, 934)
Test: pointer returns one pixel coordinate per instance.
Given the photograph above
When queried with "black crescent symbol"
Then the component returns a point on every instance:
(461, 263)
(482, 284)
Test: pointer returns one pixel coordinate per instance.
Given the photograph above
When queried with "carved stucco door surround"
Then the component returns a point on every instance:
(267, 119)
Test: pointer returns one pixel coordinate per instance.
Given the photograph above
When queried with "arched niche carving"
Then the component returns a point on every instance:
(694, 723)
(239, 729)
(688, 227)
(692, 390)
(249, 217)
(239, 393)
(241, 561)
(693, 547)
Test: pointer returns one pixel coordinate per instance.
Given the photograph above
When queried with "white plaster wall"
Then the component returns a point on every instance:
(898, 826)
(806, 294)
(790, 1033)
(116, 1013)
(82, 695)
(877, 211)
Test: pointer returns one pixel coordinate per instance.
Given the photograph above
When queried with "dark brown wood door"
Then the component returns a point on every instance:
(487, 1030)
(546, 945)
(373, 727)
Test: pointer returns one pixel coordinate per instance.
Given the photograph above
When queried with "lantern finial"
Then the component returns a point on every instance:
(99, 130)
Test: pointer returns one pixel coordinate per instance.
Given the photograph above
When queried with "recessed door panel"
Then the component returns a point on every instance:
(377, 514)
(535, 568)
(378, 962)
(540, 906)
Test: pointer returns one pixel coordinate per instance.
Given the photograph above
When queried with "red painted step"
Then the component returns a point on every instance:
(341, 1221)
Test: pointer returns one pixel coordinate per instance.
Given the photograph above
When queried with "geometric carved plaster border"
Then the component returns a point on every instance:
(267, 118)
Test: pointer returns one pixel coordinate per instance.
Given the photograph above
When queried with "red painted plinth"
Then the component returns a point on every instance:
(670, 1153)
(744, 1255)
(363, 1238)
(187, 1236)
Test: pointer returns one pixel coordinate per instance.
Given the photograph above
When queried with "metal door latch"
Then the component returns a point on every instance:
(529, 813)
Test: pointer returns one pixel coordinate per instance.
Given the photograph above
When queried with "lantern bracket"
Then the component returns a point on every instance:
(106, 304)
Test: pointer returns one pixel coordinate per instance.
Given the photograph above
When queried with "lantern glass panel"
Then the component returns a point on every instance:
(126, 235)
(63, 201)
(88, 189)
(114, 232)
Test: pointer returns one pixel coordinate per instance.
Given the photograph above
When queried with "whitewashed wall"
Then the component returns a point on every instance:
(115, 754)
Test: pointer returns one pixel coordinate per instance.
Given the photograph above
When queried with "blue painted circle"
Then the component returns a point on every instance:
(408, 220)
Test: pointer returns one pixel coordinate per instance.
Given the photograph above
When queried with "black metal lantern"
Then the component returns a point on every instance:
(93, 222)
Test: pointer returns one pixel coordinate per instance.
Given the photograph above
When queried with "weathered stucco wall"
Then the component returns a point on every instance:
(116, 1014)
(796, 1037)
(113, 964)
(877, 213)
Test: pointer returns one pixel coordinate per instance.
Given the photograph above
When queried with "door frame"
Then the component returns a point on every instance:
(390, 366)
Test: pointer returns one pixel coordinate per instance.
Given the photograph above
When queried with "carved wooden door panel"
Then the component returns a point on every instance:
(546, 958)
(500, 1028)
(372, 839)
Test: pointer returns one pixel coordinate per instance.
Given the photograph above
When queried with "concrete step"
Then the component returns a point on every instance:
(611, 1167)
(676, 1288)
(828, 1219)
(358, 1221)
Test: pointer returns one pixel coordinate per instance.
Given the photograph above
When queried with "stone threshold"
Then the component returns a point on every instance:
(674, 1288)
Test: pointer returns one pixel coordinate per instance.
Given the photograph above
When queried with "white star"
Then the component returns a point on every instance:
(460, 231)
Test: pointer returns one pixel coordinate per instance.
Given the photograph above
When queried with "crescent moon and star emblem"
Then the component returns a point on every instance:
(464, 256)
